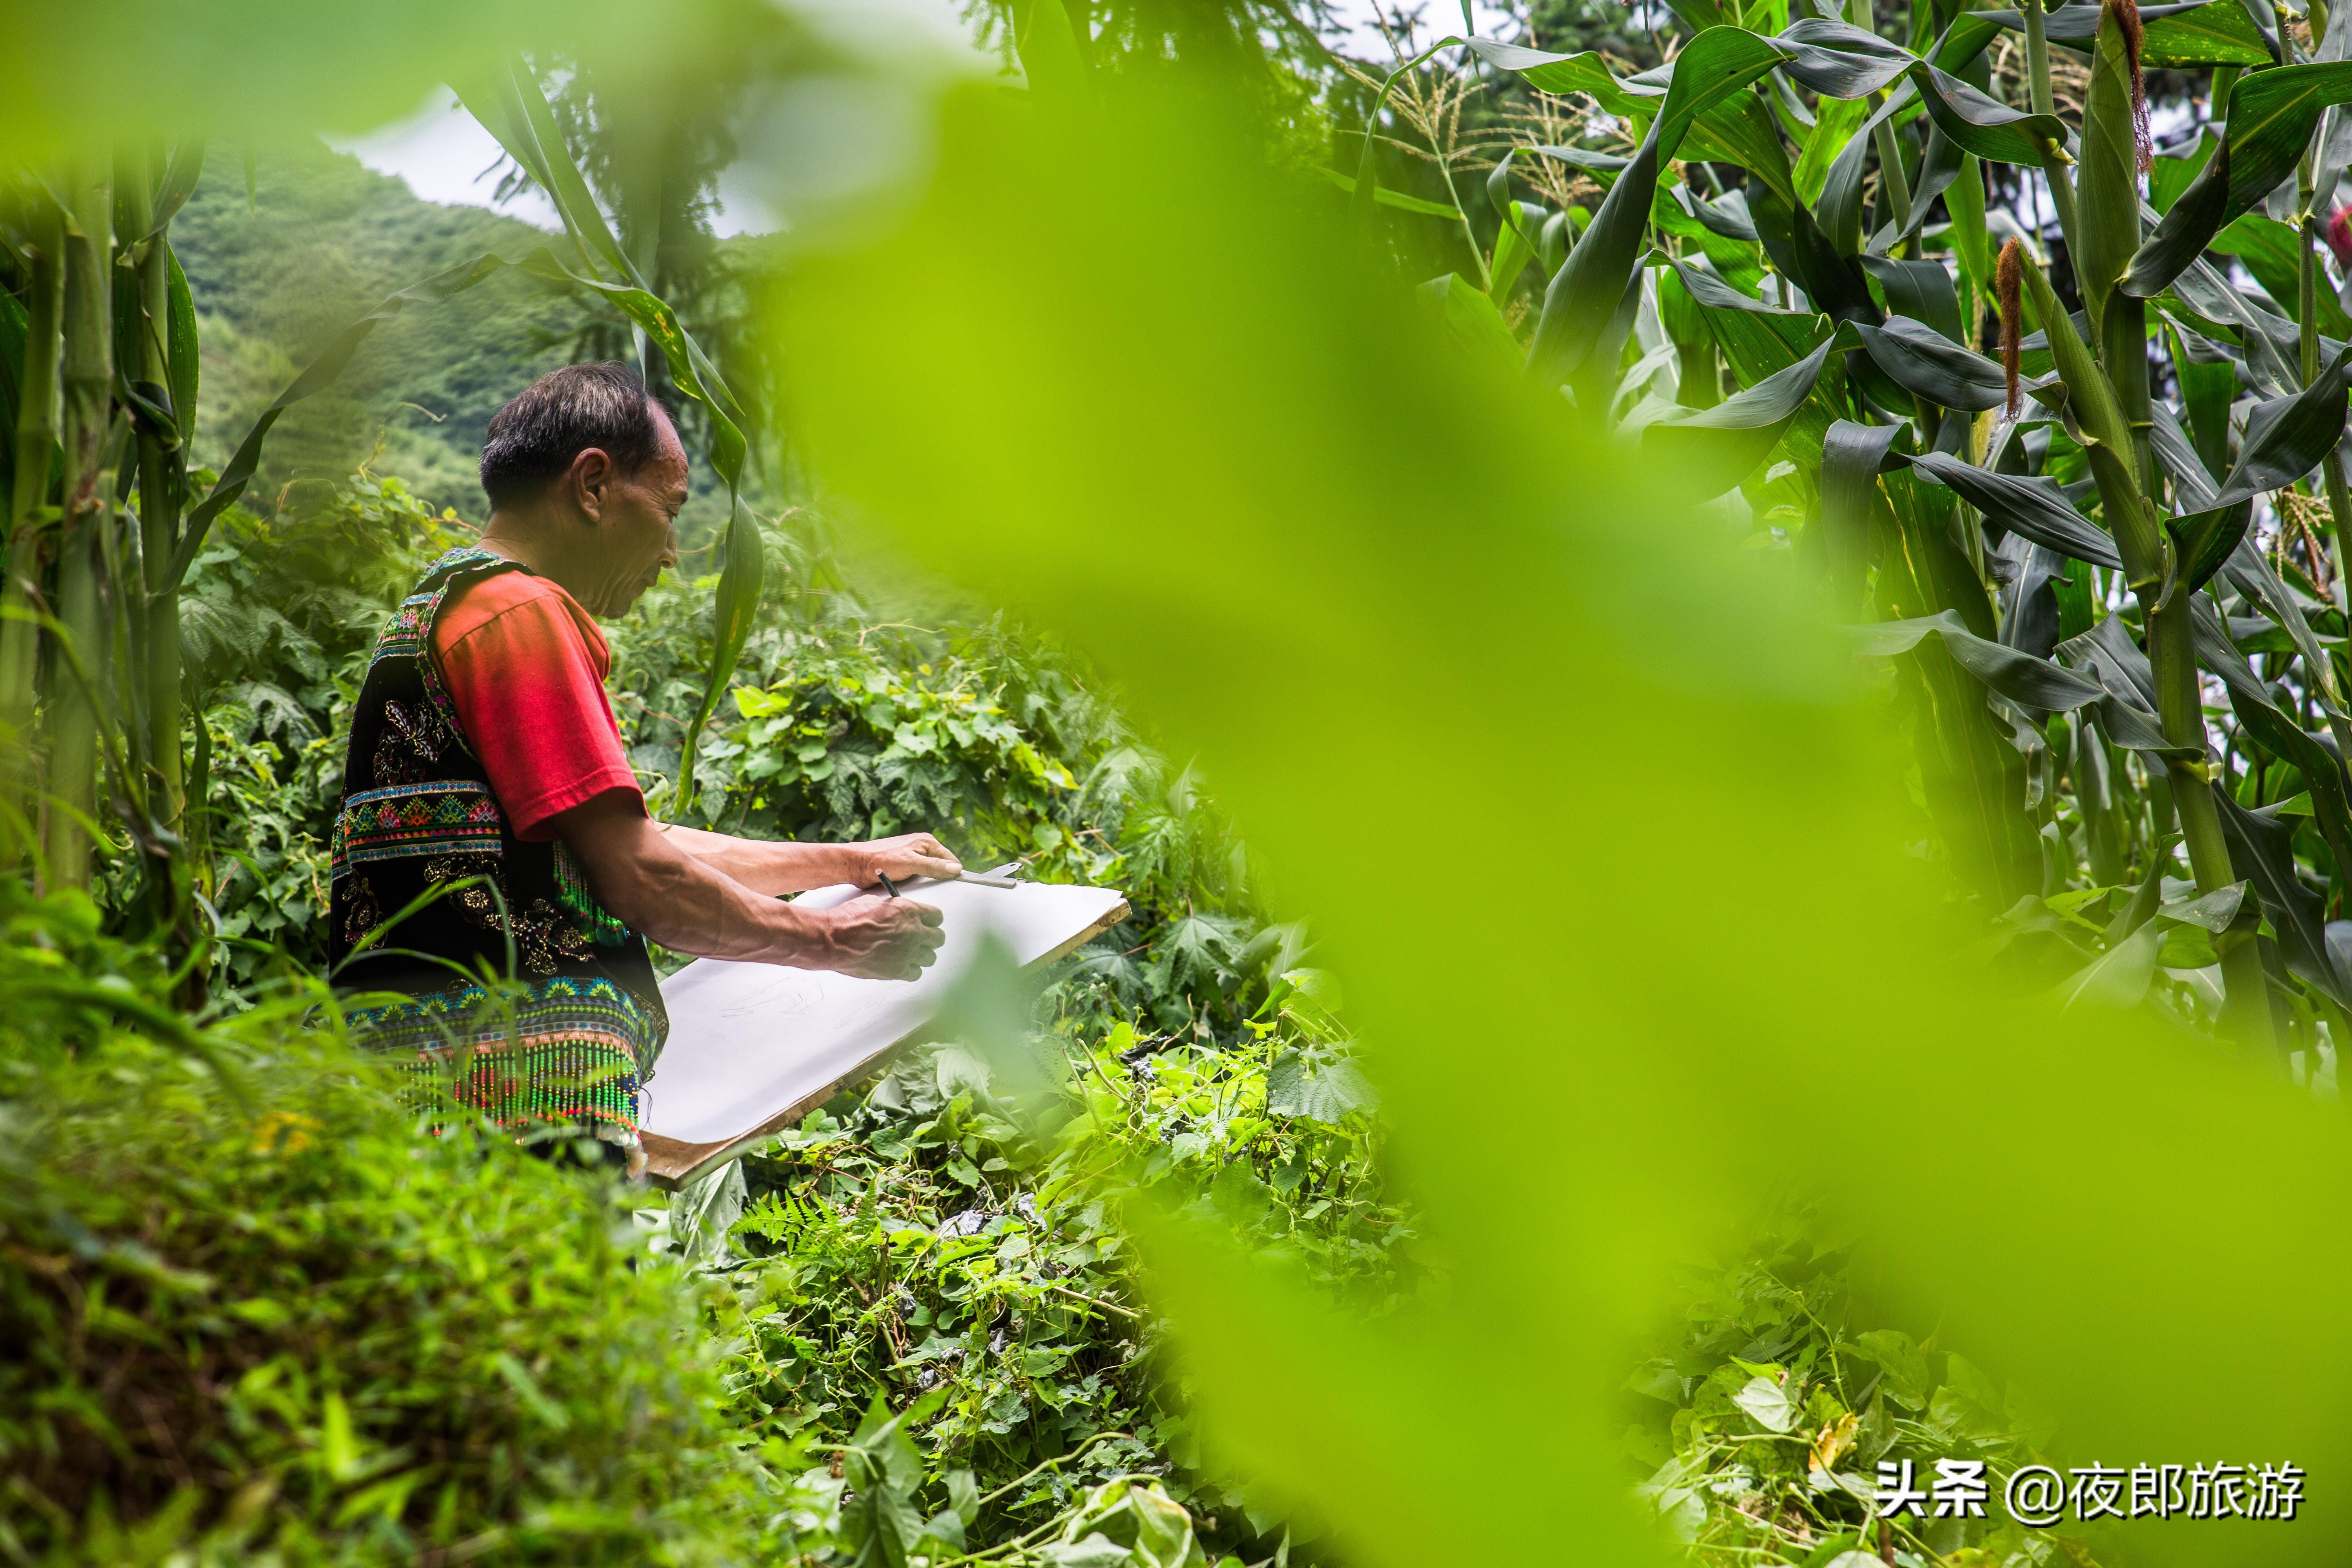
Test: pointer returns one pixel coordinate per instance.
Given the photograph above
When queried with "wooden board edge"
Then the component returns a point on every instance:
(672, 1164)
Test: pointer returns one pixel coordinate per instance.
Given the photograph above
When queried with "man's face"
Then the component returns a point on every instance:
(635, 535)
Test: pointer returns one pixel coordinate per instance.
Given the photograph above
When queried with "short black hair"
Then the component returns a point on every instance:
(535, 437)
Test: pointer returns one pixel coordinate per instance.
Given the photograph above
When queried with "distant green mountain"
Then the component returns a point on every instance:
(325, 239)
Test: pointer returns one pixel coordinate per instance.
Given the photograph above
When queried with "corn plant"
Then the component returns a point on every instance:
(99, 345)
(2066, 568)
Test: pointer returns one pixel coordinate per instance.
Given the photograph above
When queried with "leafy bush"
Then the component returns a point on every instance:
(950, 1244)
(248, 1313)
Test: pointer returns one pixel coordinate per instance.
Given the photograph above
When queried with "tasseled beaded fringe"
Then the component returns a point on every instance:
(558, 1080)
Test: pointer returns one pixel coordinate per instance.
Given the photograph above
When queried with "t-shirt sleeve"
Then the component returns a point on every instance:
(534, 704)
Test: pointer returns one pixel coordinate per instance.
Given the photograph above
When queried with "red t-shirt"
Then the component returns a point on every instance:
(525, 666)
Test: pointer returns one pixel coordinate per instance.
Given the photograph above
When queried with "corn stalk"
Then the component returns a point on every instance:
(2064, 579)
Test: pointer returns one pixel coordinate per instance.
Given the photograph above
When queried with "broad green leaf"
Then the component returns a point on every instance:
(2034, 507)
(2211, 912)
(1389, 199)
(1757, 339)
(1966, 201)
(1851, 456)
(182, 351)
(1705, 452)
(2208, 385)
(2118, 977)
(1920, 290)
(1840, 61)
(1579, 302)
(1740, 129)
(1471, 318)
(1564, 74)
(2215, 33)
(2286, 438)
(1833, 127)
(1984, 126)
(2022, 679)
(2271, 116)
(2271, 251)
(1929, 365)
(2278, 731)
(2262, 852)
(1767, 1404)
(1802, 252)
(2171, 172)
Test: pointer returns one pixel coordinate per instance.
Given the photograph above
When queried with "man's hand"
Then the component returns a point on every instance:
(908, 856)
(883, 939)
(690, 904)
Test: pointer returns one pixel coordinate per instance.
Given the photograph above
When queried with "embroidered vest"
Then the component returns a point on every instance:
(524, 998)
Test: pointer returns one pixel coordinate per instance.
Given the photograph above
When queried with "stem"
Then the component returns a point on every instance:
(1363, 197)
(1894, 185)
(2171, 649)
(87, 380)
(2037, 60)
(36, 439)
(160, 497)
(2041, 100)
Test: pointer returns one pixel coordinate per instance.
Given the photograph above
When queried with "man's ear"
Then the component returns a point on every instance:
(590, 478)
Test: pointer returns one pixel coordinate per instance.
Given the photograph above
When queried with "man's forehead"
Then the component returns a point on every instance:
(673, 457)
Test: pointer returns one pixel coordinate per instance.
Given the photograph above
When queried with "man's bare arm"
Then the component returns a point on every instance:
(691, 905)
(768, 866)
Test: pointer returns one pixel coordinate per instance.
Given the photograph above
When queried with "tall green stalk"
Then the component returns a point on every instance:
(87, 373)
(37, 432)
(160, 500)
(2129, 490)
(2041, 100)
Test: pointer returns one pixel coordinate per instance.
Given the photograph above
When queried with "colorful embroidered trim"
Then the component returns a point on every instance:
(571, 891)
(576, 1047)
(442, 818)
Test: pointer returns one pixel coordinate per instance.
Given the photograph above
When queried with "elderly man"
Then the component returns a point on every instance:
(493, 858)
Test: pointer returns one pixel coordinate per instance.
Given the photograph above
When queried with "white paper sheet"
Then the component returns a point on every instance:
(748, 1040)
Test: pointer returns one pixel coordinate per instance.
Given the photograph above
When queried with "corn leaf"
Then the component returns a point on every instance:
(2262, 851)
(2272, 250)
(1851, 456)
(1389, 199)
(1929, 365)
(1580, 300)
(1984, 126)
(1839, 60)
(2271, 116)
(2025, 680)
(182, 350)
(2286, 437)
(1834, 129)
(2214, 33)
(1705, 451)
(2029, 506)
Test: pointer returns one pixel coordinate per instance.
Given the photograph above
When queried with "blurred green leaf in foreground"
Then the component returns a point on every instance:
(1658, 958)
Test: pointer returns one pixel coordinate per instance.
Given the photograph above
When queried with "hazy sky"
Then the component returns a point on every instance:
(447, 157)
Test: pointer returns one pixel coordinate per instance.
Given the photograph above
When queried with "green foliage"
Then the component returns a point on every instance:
(1762, 1425)
(277, 624)
(252, 1314)
(950, 1247)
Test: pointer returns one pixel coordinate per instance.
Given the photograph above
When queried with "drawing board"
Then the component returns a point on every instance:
(755, 1046)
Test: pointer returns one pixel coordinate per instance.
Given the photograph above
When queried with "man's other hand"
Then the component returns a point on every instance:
(883, 939)
(908, 856)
